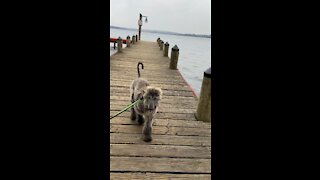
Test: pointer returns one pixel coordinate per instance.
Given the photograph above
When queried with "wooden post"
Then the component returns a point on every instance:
(166, 49)
(133, 39)
(119, 44)
(136, 38)
(174, 57)
(128, 41)
(204, 106)
(161, 46)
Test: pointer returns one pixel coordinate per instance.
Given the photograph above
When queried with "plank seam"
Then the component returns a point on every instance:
(161, 172)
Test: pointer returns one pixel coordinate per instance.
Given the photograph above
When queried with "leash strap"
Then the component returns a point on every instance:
(129, 106)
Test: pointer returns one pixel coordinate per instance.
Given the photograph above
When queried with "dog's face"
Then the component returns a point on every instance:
(151, 98)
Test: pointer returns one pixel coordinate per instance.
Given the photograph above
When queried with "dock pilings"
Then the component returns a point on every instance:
(119, 42)
(203, 112)
(133, 39)
(128, 41)
(166, 49)
(204, 105)
(174, 57)
(161, 45)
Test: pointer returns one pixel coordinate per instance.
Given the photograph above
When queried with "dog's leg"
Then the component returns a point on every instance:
(140, 119)
(147, 129)
(132, 114)
(132, 111)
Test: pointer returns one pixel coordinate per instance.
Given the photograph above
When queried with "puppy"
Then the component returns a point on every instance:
(144, 110)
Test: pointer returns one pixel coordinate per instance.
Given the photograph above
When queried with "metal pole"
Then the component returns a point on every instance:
(140, 18)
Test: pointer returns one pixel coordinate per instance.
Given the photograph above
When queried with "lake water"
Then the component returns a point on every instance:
(194, 53)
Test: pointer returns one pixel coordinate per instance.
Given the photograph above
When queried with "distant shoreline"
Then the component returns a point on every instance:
(164, 32)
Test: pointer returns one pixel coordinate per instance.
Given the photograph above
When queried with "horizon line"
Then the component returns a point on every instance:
(166, 31)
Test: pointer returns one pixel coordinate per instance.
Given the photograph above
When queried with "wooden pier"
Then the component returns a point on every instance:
(181, 145)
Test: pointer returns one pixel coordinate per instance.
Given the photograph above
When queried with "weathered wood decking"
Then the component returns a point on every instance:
(181, 146)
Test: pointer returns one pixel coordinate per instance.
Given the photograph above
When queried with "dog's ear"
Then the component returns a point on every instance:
(159, 92)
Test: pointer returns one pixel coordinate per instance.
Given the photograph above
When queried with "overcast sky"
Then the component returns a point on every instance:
(182, 16)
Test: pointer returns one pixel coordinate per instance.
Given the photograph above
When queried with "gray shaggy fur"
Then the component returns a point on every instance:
(144, 111)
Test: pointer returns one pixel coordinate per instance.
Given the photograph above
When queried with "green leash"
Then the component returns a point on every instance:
(129, 106)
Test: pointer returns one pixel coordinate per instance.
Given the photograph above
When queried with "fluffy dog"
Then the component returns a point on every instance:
(144, 110)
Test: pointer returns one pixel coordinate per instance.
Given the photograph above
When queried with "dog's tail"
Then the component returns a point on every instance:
(138, 68)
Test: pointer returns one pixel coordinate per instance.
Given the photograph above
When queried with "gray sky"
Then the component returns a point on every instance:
(183, 16)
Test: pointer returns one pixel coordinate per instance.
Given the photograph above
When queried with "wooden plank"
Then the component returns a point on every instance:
(121, 62)
(142, 51)
(165, 92)
(164, 122)
(159, 115)
(162, 84)
(128, 81)
(147, 51)
(153, 82)
(150, 164)
(149, 77)
(179, 131)
(145, 73)
(114, 85)
(163, 104)
(120, 138)
(173, 95)
(127, 176)
(171, 151)
(161, 109)
(131, 72)
(165, 99)
(161, 76)
(140, 56)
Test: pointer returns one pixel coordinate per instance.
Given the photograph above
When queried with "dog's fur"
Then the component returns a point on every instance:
(144, 111)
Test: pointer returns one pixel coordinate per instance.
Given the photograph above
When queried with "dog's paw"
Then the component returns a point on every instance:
(140, 120)
(133, 117)
(147, 138)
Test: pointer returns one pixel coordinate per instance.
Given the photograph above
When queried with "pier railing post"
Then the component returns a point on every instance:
(161, 45)
(119, 42)
(174, 57)
(166, 49)
(133, 39)
(128, 41)
(204, 106)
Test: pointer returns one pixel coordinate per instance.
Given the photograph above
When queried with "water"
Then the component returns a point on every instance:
(194, 53)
